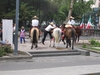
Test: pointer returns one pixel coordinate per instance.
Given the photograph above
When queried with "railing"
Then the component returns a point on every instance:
(91, 32)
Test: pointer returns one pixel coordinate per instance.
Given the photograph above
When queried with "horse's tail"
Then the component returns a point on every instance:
(57, 35)
(34, 36)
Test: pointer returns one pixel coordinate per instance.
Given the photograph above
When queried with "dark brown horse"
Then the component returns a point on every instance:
(69, 33)
(78, 32)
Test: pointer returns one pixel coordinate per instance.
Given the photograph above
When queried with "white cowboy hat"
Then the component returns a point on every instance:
(51, 23)
(35, 17)
(71, 17)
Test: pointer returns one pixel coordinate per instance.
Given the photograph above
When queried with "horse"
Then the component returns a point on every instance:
(34, 37)
(56, 37)
(78, 32)
(69, 33)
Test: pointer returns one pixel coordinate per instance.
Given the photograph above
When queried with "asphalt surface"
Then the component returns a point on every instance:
(60, 65)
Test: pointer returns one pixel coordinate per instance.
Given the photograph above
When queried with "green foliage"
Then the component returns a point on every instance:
(4, 50)
(84, 46)
(81, 7)
(45, 9)
(94, 43)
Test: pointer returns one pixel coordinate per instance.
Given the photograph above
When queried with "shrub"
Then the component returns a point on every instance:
(84, 46)
(94, 43)
(5, 49)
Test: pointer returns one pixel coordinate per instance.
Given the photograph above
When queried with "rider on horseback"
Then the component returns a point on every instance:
(35, 23)
(71, 21)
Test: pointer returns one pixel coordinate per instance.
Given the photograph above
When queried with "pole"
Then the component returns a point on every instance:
(16, 32)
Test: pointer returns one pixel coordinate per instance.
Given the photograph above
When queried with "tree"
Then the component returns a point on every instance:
(26, 13)
(70, 11)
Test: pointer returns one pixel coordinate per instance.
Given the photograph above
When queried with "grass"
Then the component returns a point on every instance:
(93, 45)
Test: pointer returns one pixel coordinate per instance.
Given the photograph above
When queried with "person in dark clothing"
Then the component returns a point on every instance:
(48, 31)
(1, 30)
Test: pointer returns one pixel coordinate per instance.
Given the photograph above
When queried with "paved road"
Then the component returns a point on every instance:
(60, 65)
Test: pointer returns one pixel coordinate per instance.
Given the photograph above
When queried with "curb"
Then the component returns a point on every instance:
(17, 57)
(91, 50)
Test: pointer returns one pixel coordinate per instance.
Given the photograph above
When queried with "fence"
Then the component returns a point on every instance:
(91, 32)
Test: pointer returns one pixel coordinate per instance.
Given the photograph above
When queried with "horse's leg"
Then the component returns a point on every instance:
(66, 43)
(69, 42)
(54, 42)
(50, 42)
(36, 45)
(63, 38)
(78, 38)
(73, 39)
(32, 46)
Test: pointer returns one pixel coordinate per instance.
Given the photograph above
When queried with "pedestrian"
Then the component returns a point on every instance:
(71, 21)
(1, 30)
(14, 29)
(48, 30)
(22, 34)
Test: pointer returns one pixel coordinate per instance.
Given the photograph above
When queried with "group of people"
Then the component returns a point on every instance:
(22, 34)
(35, 23)
(49, 28)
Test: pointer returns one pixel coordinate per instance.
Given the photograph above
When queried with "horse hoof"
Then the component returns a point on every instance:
(66, 46)
(36, 46)
(43, 43)
(53, 46)
(72, 48)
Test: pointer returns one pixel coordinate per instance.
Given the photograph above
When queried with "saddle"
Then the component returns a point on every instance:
(68, 26)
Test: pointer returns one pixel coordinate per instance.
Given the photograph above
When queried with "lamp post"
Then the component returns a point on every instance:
(16, 32)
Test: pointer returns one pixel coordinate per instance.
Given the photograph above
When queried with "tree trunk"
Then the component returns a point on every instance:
(70, 11)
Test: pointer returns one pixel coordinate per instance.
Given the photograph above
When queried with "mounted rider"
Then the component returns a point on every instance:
(35, 24)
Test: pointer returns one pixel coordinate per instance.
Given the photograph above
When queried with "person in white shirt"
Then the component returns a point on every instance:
(71, 21)
(35, 21)
(48, 31)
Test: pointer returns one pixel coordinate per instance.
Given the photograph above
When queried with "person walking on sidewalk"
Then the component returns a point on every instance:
(1, 31)
(48, 30)
(22, 34)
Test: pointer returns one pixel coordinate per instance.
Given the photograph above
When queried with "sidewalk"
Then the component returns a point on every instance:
(26, 48)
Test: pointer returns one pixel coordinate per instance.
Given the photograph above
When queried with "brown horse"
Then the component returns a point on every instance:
(34, 37)
(69, 33)
(78, 32)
